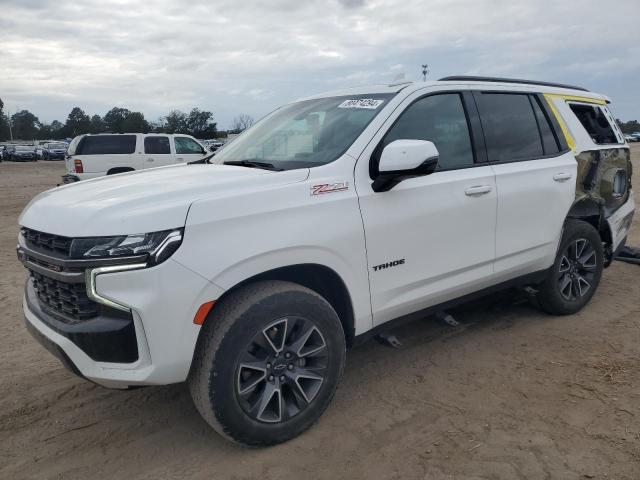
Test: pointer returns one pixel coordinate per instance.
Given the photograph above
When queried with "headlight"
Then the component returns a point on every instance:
(157, 245)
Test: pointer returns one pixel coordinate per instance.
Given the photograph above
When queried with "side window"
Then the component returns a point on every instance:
(106, 145)
(186, 145)
(594, 122)
(509, 126)
(439, 119)
(157, 145)
(549, 140)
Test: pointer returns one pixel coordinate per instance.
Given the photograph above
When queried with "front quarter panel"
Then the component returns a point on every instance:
(314, 221)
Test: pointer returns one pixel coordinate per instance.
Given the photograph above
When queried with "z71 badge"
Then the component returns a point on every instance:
(329, 188)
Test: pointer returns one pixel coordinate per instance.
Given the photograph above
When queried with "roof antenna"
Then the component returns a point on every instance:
(425, 72)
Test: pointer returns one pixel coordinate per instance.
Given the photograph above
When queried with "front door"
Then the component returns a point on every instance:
(188, 150)
(429, 239)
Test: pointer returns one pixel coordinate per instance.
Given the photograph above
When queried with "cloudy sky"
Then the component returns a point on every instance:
(249, 56)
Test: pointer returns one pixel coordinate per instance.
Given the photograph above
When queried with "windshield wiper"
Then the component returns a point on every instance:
(253, 164)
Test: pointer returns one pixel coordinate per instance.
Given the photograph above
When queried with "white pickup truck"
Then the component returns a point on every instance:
(91, 156)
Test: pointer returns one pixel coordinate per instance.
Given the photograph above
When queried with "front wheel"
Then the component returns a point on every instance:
(575, 275)
(268, 362)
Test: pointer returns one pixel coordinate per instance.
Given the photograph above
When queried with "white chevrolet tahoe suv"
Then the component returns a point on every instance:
(91, 156)
(332, 216)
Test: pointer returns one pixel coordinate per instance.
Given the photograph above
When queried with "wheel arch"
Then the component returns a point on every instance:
(113, 171)
(323, 280)
(590, 211)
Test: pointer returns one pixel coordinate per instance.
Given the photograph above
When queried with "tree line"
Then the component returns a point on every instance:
(199, 123)
(629, 127)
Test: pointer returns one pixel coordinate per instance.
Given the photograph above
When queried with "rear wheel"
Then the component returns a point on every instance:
(576, 273)
(268, 362)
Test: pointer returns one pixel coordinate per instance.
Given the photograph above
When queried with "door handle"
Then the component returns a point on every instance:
(477, 191)
(149, 159)
(562, 177)
(180, 159)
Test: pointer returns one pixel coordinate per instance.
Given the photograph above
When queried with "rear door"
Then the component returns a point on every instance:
(157, 151)
(535, 177)
(187, 149)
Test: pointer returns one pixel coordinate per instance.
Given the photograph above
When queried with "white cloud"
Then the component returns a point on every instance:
(231, 57)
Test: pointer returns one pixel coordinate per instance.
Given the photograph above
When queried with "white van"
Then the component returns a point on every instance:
(93, 156)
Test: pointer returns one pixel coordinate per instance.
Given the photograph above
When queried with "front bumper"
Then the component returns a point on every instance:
(150, 344)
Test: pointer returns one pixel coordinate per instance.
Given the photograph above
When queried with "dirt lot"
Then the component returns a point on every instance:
(512, 393)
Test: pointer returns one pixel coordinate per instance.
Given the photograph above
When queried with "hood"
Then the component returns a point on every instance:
(143, 201)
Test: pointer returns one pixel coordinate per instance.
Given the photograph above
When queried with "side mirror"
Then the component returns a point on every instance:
(403, 159)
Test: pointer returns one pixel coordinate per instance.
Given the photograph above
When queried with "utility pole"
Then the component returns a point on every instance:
(10, 129)
(425, 72)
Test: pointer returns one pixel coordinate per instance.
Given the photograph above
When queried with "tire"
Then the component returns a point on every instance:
(575, 275)
(252, 359)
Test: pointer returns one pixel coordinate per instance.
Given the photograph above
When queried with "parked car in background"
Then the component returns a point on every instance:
(630, 138)
(332, 216)
(54, 151)
(91, 156)
(636, 135)
(213, 145)
(22, 153)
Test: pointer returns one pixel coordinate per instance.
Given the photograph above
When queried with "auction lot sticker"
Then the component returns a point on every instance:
(368, 103)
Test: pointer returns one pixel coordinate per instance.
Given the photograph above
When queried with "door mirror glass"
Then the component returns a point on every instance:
(403, 159)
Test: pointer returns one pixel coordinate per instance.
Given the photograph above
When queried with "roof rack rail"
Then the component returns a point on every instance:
(470, 78)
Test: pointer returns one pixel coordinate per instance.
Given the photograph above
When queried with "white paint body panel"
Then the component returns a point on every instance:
(532, 207)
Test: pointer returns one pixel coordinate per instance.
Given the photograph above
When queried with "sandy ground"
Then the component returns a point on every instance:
(511, 394)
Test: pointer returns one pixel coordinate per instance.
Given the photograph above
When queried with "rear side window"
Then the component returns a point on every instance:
(106, 145)
(157, 145)
(594, 122)
(549, 140)
(187, 145)
(509, 126)
(439, 119)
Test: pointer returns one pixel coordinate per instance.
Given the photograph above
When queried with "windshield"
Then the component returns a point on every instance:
(22, 148)
(305, 134)
(57, 145)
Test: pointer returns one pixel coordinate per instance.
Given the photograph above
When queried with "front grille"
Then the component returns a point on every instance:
(47, 241)
(67, 301)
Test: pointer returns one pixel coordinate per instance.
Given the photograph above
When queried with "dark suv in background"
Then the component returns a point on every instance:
(22, 153)
(54, 151)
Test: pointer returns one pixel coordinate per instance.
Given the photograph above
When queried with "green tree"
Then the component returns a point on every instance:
(97, 125)
(25, 125)
(77, 123)
(114, 119)
(4, 123)
(200, 124)
(629, 127)
(135, 123)
(57, 130)
(175, 122)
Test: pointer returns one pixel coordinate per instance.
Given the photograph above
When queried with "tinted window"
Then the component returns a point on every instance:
(157, 145)
(549, 141)
(106, 145)
(509, 126)
(439, 119)
(595, 123)
(187, 145)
